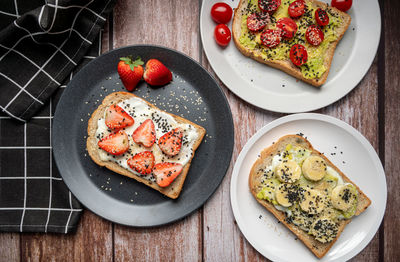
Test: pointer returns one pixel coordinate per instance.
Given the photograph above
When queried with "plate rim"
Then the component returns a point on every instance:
(286, 119)
(195, 205)
(304, 108)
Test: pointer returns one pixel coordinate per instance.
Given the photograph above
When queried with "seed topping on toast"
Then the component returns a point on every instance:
(134, 146)
(311, 194)
(258, 36)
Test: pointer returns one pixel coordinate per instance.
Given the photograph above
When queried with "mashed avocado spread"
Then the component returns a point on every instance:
(314, 67)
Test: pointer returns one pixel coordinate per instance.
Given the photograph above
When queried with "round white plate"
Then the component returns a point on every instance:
(348, 150)
(274, 90)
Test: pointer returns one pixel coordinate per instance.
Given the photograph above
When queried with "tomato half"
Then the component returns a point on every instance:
(314, 35)
(222, 35)
(297, 8)
(271, 38)
(288, 27)
(221, 13)
(342, 5)
(269, 6)
(256, 22)
(298, 55)
(322, 17)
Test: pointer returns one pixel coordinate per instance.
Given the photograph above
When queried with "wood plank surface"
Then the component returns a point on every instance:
(10, 247)
(211, 233)
(392, 126)
(173, 24)
(91, 242)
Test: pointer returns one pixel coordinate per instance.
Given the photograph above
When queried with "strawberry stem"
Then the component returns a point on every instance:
(132, 64)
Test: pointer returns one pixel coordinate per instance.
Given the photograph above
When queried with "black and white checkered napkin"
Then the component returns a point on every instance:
(42, 44)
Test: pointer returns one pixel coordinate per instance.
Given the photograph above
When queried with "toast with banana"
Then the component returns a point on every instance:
(298, 37)
(134, 138)
(306, 192)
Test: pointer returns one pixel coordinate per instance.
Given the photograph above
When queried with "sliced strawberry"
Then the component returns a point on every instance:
(166, 173)
(142, 162)
(117, 118)
(156, 73)
(145, 134)
(115, 144)
(171, 142)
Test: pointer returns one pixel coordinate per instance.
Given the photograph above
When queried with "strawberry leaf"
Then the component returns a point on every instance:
(127, 60)
(138, 62)
(132, 64)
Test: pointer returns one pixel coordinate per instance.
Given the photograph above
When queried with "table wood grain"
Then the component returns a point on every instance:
(211, 233)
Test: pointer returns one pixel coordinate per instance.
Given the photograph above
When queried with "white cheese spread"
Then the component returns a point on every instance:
(163, 122)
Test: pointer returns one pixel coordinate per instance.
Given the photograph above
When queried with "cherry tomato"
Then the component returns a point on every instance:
(314, 35)
(298, 55)
(322, 17)
(269, 6)
(222, 35)
(271, 38)
(288, 27)
(221, 13)
(342, 5)
(297, 8)
(256, 22)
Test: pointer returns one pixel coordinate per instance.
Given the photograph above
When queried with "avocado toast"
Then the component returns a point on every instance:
(306, 192)
(316, 68)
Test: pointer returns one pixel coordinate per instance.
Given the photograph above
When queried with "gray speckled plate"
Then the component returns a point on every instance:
(193, 94)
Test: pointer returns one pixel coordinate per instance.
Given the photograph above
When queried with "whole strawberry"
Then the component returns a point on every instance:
(156, 73)
(130, 71)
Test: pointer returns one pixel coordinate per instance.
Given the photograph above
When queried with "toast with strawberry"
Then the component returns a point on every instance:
(136, 139)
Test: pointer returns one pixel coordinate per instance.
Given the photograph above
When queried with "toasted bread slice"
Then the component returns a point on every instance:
(265, 159)
(286, 65)
(174, 189)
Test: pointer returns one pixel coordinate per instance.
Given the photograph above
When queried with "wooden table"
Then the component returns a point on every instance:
(211, 233)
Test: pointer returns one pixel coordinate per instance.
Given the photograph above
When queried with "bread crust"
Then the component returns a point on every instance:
(171, 191)
(286, 65)
(319, 249)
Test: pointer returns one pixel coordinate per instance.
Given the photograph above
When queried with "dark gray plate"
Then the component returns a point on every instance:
(193, 94)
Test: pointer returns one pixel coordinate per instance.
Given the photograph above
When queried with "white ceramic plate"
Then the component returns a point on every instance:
(331, 136)
(274, 90)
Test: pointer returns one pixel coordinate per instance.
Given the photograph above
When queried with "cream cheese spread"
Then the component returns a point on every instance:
(163, 122)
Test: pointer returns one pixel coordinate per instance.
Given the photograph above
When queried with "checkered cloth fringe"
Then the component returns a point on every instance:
(42, 44)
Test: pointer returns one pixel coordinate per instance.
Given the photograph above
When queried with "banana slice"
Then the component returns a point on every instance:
(324, 230)
(314, 168)
(300, 218)
(288, 171)
(312, 201)
(344, 197)
(286, 194)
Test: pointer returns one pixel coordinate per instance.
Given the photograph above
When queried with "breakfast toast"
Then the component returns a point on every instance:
(257, 181)
(306, 72)
(173, 190)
